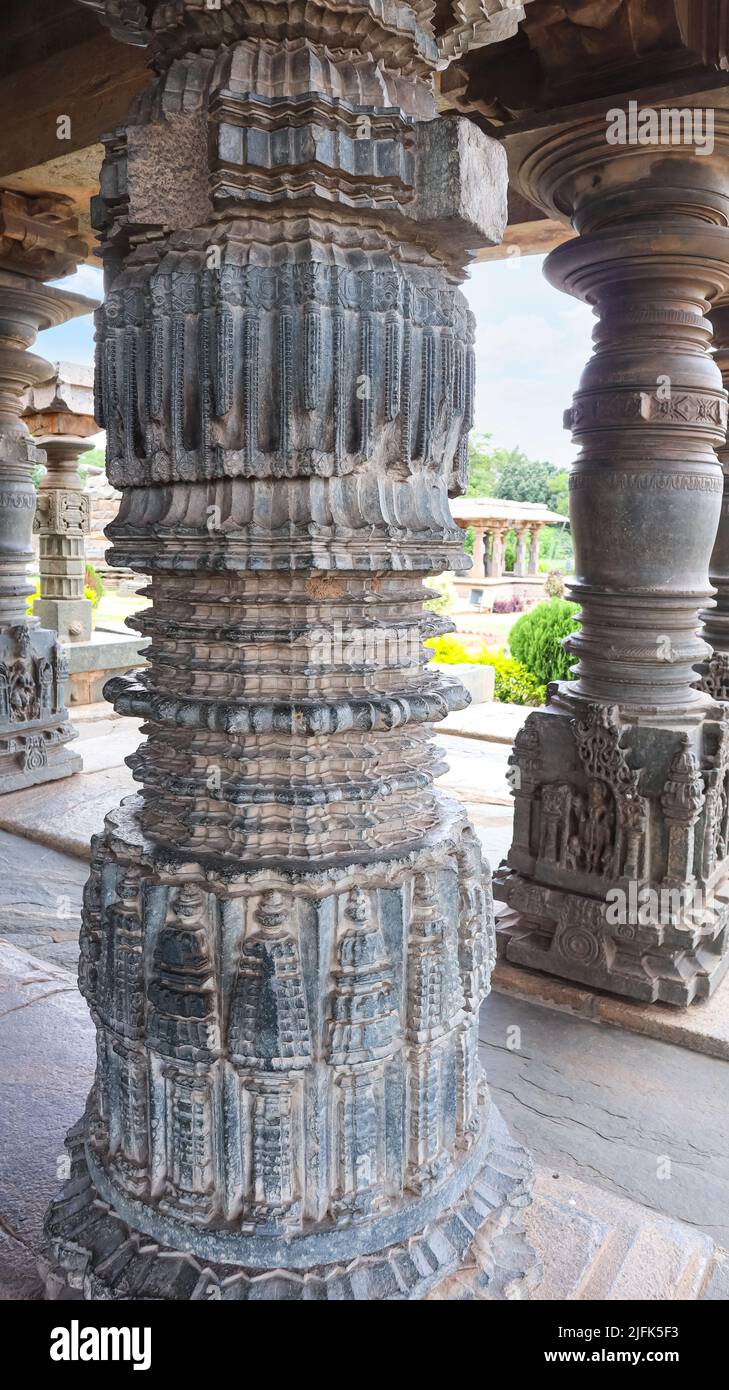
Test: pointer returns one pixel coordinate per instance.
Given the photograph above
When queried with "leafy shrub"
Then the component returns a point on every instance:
(93, 583)
(514, 604)
(449, 651)
(536, 639)
(31, 600)
(513, 684)
(554, 584)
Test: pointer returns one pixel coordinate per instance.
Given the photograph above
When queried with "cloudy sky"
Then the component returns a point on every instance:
(531, 345)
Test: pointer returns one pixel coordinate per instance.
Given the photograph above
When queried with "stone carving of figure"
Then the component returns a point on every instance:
(600, 818)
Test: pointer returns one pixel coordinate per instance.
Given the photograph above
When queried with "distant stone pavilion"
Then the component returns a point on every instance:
(491, 519)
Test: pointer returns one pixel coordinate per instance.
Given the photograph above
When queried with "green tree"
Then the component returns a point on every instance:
(559, 492)
(521, 479)
(481, 467)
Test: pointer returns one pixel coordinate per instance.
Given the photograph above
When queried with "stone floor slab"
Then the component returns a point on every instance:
(702, 1027)
(66, 814)
(593, 1245)
(495, 722)
(48, 1055)
(642, 1118)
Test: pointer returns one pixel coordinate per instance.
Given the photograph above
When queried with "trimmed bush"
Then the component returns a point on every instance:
(93, 583)
(513, 684)
(514, 604)
(536, 639)
(449, 650)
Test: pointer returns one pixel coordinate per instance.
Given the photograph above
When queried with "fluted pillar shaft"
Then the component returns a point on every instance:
(630, 756)
(286, 938)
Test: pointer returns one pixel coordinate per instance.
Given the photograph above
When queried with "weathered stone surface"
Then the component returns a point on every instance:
(594, 1245)
(641, 1118)
(59, 414)
(37, 241)
(621, 785)
(286, 935)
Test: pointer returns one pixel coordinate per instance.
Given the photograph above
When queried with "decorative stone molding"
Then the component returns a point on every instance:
(649, 812)
(287, 935)
(37, 239)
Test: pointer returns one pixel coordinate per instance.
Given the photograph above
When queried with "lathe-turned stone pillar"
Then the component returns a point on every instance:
(286, 935)
(60, 416)
(535, 533)
(37, 242)
(520, 562)
(619, 879)
(495, 567)
(479, 553)
(715, 670)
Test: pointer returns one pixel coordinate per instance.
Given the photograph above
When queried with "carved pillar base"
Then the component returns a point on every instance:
(366, 1174)
(618, 874)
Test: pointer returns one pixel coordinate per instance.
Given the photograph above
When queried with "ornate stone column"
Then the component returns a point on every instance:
(60, 416)
(629, 761)
(520, 563)
(535, 533)
(286, 935)
(37, 242)
(479, 553)
(496, 559)
(715, 670)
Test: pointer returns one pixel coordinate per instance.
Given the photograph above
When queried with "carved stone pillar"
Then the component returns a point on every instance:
(520, 562)
(715, 670)
(37, 242)
(533, 567)
(286, 936)
(479, 553)
(60, 416)
(496, 558)
(630, 760)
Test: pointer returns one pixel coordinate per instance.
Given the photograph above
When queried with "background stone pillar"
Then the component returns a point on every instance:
(479, 554)
(631, 776)
(520, 562)
(60, 416)
(496, 558)
(286, 936)
(715, 669)
(535, 533)
(37, 241)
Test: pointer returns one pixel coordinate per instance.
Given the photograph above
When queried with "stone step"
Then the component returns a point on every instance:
(594, 1245)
